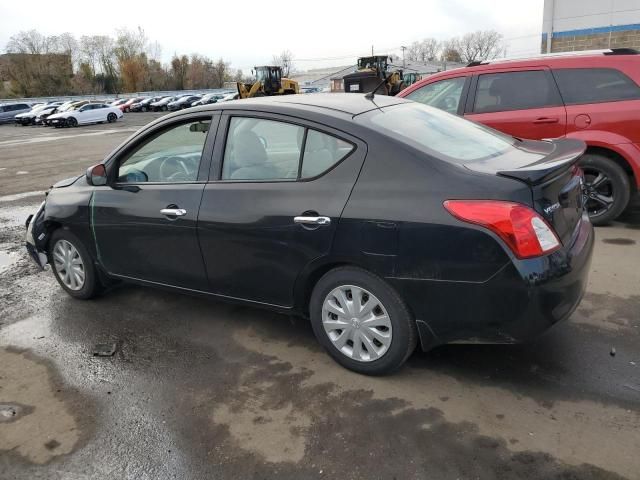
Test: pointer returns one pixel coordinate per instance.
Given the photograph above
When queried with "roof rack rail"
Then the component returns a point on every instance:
(622, 51)
(475, 63)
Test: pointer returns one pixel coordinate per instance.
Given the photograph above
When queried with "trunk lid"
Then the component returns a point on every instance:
(550, 170)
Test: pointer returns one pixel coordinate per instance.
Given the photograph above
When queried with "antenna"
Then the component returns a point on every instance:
(371, 94)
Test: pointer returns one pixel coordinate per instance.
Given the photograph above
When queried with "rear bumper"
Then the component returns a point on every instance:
(522, 300)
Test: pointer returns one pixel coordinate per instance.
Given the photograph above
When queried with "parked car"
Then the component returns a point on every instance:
(42, 117)
(594, 97)
(228, 97)
(143, 105)
(57, 119)
(124, 107)
(119, 102)
(29, 118)
(183, 102)
(372, 218)
(161, 105)
(89, 113)
(9, 110)
(208, 99)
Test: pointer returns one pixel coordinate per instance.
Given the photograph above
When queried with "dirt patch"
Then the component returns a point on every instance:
(43, 428)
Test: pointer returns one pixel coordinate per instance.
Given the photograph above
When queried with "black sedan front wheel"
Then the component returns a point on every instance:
(607, 189)
(72, 265)
(361, 321)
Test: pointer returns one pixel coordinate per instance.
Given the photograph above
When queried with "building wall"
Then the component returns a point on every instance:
(590, 24)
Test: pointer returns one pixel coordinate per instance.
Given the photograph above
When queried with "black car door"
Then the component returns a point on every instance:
(278, 189)
(144, 222)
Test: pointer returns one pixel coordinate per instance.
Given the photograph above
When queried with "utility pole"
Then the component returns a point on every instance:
(403, 63)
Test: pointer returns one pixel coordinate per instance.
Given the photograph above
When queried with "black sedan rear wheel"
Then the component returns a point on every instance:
(607, 189)
(361, 321)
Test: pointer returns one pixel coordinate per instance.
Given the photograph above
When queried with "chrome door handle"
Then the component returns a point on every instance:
(312, 220)
(176, 212)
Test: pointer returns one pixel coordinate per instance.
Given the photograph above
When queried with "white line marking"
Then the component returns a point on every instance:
(10, 143)
(19, 196)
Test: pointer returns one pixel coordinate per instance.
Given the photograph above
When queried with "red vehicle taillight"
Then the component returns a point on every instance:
(521, 227)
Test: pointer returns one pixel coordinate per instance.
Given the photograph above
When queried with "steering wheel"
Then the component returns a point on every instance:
(174, 169)
(450, 103)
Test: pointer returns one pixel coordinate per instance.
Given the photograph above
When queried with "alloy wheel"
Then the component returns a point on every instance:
(356, 323)
(68, 264)
(598, 192)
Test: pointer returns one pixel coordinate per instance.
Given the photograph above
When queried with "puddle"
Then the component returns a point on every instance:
(619, 241)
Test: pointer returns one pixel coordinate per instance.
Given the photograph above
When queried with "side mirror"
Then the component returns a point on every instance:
(97, 175)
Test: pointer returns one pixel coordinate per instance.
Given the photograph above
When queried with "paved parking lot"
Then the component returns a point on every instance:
(200, 389)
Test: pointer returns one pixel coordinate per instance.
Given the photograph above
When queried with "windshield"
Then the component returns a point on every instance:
(440, 133)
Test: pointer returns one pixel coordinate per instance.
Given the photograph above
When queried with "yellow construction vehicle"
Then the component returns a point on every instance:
(268, 82)
(370, 73)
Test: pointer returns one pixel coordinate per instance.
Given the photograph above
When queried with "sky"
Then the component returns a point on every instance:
(319, 34)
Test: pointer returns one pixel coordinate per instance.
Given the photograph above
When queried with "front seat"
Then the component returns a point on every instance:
(251, 161)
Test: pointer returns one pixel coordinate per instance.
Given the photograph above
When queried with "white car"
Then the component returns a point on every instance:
(89, 113)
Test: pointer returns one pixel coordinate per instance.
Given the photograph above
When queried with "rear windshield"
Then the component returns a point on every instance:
(440, 134)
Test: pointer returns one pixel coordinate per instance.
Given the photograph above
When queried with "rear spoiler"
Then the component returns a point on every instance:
(566, 153)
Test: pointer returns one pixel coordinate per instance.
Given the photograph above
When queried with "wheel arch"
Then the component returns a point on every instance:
(617, 158)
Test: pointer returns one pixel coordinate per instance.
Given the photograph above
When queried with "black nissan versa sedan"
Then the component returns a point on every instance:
(384, 221)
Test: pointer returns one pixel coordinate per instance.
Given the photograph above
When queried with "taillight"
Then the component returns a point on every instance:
(526, 232)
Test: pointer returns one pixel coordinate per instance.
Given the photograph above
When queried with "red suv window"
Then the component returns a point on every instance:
(593, 85)
(500, 92)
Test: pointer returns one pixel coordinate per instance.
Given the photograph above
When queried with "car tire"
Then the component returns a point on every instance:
(388, 321)
(112, 117)
(71, 122)
(84, 283)
(165, 108)
(604, 180)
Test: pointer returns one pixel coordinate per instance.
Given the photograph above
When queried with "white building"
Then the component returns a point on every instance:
(590, 24)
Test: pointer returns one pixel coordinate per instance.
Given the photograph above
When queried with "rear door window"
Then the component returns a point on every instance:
(258, 149)
(593, 85)
(504, 91)
(321, 152)
(445, 94)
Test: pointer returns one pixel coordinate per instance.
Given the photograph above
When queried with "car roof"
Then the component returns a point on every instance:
(349, 103)
(566, 58)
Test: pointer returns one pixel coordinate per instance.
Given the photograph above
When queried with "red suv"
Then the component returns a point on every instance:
(592, 96)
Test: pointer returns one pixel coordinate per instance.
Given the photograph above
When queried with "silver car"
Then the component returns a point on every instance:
(9, 110)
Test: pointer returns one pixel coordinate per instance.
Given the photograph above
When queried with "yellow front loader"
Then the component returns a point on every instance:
(268, 82)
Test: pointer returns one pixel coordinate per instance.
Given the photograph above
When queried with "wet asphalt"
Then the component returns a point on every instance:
(199, 389)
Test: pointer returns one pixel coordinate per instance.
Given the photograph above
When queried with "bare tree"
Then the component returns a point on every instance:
(450, 51)
(221, 73)
(424, 51)
(480, 46)
(31, 41)
(429, 49)
(284, 61)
